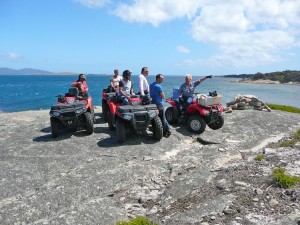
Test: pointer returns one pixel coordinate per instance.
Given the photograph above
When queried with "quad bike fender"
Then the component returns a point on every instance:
(171, 102)
(112, 107)
(219, 107)
(195, 109)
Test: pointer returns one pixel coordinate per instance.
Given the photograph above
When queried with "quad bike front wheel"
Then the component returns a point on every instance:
(171, 115)
(93, 115)
(218, 124)
(89, 123)
(157, 128)
(196, 124)
(120, 130)
(55, 127)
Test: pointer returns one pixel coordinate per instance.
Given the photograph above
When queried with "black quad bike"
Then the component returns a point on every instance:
(74, 111)
(139, 115)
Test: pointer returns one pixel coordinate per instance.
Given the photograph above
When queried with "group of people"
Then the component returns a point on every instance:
(122, 85)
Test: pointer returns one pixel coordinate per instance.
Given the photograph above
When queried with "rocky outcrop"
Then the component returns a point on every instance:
(185, 179)
(242, 102)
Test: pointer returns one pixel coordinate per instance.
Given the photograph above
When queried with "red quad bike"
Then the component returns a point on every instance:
(202, 110)
(138, 115)
(73, 110)
(106, 93)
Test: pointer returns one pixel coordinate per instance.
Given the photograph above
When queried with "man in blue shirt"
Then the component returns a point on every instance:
(157, 95)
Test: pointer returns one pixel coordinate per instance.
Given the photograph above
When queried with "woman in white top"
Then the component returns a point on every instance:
(115, 80)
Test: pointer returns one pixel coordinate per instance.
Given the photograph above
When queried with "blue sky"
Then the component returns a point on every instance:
(173, 37)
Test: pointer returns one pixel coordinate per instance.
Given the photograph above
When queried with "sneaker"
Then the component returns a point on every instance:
(167, 134)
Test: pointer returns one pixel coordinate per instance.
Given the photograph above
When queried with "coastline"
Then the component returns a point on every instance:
(263, 82)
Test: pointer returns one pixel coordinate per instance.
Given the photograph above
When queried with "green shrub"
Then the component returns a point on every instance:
(260, 157)
(284, 180)
(137, 221)
(288, 143)
(284, 108)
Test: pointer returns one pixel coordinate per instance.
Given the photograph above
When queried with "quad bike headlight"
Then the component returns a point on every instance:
(127, 117)
(152, 114)
(78, 111)
(55, 113)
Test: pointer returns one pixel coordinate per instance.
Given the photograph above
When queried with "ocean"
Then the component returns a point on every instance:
(35, 92)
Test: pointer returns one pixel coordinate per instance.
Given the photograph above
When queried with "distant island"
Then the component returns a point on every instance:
(283, 77)
(30, 71)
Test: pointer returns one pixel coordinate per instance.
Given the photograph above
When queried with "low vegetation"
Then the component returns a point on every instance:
(284, 108)
(260, 157)
(284, 180)
(137, 221)
(281, 76)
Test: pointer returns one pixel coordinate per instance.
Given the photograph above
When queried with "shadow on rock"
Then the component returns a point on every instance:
(132, 138)
(66, 134)
(182, 129)
(46, 130)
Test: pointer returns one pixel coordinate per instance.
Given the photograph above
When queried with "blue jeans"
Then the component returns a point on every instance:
(161, 109)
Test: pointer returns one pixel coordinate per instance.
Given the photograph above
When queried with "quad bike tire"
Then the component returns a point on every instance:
(55, 128)
(157, 128)
(120, 130)
(196, 124)
(105, 110)
(89, 124)
(218, 124)
(171, 115)
(93, 115)
(110, 122)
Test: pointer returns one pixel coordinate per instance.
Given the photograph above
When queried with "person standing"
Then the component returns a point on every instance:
(114, 81)
(81, 83)
(143, 83)
(157, 95)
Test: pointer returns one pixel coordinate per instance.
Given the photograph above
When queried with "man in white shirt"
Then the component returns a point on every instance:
(143, 83)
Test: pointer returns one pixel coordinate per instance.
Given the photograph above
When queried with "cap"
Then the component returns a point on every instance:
(82, 76)
(126, 73)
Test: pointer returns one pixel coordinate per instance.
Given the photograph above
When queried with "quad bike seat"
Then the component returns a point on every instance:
(73, 92)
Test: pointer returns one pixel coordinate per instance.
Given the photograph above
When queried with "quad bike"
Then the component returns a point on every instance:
(74, 110)
(106, 93)
(197, 112)
(138, 115)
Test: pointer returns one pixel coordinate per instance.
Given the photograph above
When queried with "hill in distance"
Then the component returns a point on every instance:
(29, 71)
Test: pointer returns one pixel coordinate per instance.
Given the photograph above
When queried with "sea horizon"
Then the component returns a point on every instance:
(35, 92)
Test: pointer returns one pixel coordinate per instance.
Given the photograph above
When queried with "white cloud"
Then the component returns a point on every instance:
(93, 3)
(183, 49)
(11, 56)
(245, 32)
(156, 11)
(248, 33)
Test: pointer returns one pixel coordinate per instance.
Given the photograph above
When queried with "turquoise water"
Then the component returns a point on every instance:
(34, 92)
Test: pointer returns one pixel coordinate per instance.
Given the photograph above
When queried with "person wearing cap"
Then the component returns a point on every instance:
(81, 83)
(125, 88)
(143, 83)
